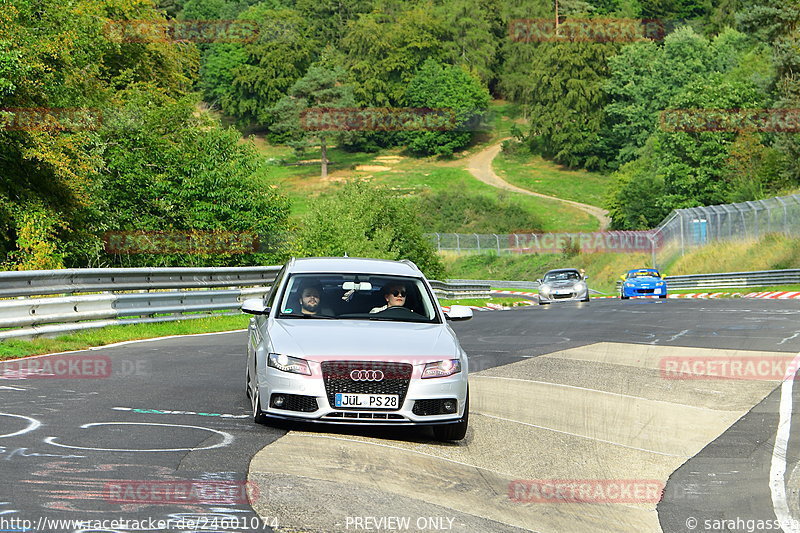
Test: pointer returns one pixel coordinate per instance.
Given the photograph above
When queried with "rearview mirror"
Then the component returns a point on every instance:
(458, 312)
(357, 286)
(255, 306)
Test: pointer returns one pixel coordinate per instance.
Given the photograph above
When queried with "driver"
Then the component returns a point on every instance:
(395, 295)
(310, 299)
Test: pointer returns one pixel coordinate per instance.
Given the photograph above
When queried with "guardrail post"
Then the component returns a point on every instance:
(478, 239)
(458, 242)
(498, 243)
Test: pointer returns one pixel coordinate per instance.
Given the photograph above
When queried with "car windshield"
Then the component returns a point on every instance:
(569, 275)
(644, 274)
(357, 297)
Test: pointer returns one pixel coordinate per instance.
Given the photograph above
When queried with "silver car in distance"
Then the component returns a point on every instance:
(356, 341)
(563, 285)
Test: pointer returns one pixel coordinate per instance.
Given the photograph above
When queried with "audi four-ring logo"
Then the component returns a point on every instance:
(366, 375)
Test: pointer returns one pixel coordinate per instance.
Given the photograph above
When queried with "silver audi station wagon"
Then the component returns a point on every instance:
(356, 341)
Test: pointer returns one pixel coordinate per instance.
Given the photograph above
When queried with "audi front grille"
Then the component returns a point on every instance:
(337, 378)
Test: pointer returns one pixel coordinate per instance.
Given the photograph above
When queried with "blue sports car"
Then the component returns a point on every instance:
(642, 282)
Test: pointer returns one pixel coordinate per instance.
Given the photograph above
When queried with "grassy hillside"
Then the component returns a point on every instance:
(301, 182)
(539, 175)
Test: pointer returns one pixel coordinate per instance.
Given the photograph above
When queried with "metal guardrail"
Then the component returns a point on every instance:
(460, 289)
(500, 284)
(760, 278)
(179, 293)
(732, 280)
(200, 292)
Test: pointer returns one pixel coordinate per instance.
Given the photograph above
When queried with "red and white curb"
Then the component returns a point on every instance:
(780, 295)
(492, 306)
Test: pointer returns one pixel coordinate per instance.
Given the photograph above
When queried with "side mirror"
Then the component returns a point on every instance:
(585, 277)
(255, 306)
(539, 281)
(458, 312)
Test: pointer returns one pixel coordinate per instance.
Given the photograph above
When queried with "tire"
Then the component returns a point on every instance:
(457, 431)
(247, 384)
(662, 296)
(543, 303)
(623, 297)
(258, 414)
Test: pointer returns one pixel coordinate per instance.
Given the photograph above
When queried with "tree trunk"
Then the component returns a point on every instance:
(324, 157)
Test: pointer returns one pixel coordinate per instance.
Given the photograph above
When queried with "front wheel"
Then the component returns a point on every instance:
(663, 296)
(258, 414)
(455, 431)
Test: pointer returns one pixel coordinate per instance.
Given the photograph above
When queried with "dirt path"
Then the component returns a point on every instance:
(480, 166)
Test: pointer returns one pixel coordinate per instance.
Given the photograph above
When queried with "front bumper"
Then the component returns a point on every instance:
(630, 292)
(309, 391)
(571, 296)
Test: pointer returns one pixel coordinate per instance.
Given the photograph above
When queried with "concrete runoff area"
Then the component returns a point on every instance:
(601, 414)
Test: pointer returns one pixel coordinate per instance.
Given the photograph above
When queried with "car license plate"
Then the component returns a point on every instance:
(367, 401)
(564, 291)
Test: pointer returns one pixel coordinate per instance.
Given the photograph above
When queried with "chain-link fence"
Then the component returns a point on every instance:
(682, 230)
(689, 228)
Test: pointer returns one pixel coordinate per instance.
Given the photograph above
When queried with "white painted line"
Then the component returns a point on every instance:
(777, 470)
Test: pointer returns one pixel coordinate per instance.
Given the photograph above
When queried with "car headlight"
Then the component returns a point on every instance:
(660, 284)
(441, 369)
(544, 289)
(629, 284)
(288, 364)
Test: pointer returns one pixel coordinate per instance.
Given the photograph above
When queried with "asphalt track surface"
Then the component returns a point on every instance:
(160, 430)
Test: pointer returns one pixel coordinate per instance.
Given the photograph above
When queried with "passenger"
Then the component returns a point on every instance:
(395, 295)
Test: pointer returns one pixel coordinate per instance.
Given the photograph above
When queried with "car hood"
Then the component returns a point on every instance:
(560, 284)
(644, 279)
(320, 340)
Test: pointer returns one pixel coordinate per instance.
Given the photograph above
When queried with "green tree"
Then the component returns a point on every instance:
(320, 87)
(445, 87)
(280, 55)
(565, 99)
(383, 52)
(476, 32)
(361, 220)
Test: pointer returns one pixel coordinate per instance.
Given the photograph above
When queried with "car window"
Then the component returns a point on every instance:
(358, 297)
